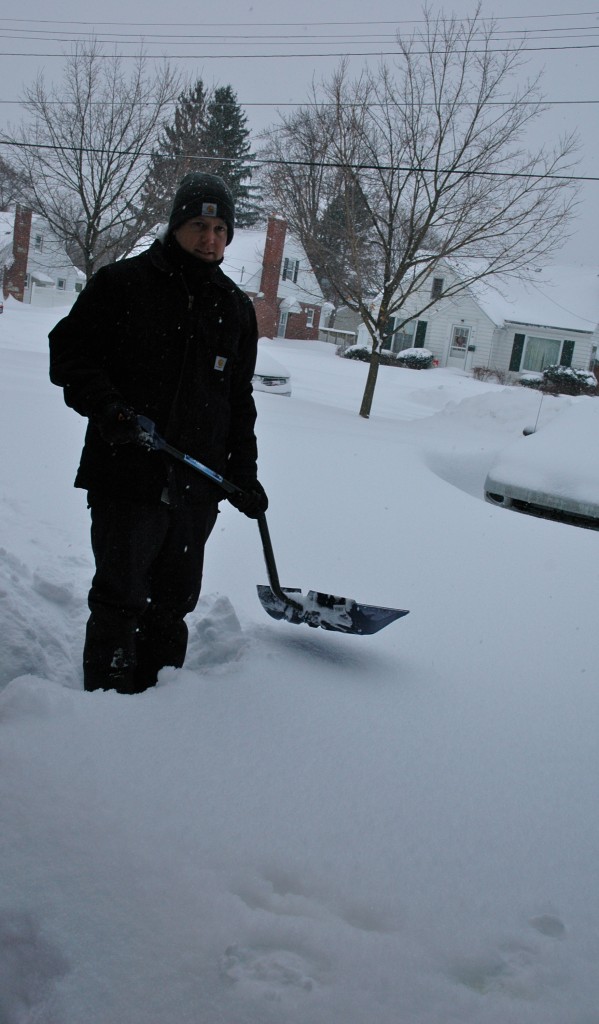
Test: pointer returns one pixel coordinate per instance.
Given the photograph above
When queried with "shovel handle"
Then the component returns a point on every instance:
(158, 442)
(269, 557)
(271, 568)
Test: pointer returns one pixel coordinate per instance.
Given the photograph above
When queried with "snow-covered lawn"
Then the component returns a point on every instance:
(302, 827)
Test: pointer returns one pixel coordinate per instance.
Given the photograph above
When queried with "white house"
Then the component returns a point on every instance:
(511, 325)
(551, 320)
(33, 263)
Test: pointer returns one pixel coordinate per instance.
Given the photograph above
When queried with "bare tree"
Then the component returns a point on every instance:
(12, 185)
(84, 149)
(433, 149)
(299, 182)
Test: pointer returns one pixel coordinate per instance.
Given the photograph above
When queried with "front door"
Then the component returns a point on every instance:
(458, 347)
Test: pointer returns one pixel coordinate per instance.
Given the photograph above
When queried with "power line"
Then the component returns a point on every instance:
(311, 103)
(301, 56)
(295, 24)
(40, 35)
(308, 163)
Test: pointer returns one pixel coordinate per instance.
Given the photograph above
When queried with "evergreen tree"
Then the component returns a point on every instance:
(228, 152)
(208, 133)
(178, 146)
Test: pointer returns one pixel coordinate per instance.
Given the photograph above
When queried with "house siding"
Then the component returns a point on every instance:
(458, 311)
(579, 347)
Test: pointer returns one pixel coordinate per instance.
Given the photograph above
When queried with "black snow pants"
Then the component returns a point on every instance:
(149, 562)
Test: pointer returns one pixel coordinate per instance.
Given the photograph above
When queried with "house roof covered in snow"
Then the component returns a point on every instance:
(560, 297)
(7, 220)
(243, 258)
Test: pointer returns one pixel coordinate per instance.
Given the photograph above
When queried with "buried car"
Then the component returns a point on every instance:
(270, 375)
(552, 472)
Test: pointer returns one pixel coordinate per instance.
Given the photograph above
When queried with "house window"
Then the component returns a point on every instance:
(539, 353)
(79, 287)
(38, 243)
(437, 287)
(290, 270)
(27, 281)
(460, 337)
(396, 341)
(309, 318)
(61, 284)
(282, 325)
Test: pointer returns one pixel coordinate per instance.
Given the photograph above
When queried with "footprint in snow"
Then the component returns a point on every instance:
(268, 972)
(519, 969)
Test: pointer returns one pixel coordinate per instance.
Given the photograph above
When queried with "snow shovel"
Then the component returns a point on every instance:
(340, 614)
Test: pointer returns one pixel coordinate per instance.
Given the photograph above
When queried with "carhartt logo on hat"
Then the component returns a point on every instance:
(209, 210)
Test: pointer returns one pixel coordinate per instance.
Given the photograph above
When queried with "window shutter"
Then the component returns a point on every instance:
(420, 334)
(567, 353)
(517, 350)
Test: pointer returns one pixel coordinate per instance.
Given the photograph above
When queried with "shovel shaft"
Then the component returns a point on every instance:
(271, 568)
(230, 488)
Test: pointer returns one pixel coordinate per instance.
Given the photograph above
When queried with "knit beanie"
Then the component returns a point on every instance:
(202, 195)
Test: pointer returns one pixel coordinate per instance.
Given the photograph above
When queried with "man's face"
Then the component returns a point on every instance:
(203, 237)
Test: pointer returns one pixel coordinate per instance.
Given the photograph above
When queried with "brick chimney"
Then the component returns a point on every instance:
(266, 302)
(14, 276)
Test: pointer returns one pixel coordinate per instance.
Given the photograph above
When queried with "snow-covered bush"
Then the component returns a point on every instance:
(414, 358)
(532, 380)
(561, 380)
(355, 352)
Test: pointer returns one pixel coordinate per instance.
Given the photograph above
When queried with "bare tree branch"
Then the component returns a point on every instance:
(435, 146)
(83, 151)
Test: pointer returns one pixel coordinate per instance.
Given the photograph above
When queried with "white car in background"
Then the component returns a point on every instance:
(552, 472)
(270, 375)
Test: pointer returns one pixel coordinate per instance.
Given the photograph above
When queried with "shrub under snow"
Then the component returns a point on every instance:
(413, 358)
(562, 380)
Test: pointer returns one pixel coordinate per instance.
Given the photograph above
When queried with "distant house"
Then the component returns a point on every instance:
(272, 267)
(513, 326)
(34, 266)
(341, 328)
(552, 320)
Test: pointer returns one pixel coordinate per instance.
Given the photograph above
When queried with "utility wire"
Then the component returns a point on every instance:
(324, 103)
(294, 24)
(153, 38)
(308, 163)
(302, 56)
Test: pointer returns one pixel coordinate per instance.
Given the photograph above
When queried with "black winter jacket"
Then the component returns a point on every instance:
(176, 340)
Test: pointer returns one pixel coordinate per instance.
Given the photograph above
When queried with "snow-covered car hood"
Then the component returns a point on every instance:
(554, 468)
(270, 375)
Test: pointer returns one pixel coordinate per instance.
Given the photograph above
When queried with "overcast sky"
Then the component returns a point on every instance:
(269, 51)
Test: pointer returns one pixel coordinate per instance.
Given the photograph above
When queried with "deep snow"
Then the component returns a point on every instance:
(302, 827)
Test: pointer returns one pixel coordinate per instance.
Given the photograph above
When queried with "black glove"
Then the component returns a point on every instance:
(251, 500)
(117, 423)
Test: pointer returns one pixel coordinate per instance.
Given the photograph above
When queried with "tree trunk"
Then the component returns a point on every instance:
(368, 396)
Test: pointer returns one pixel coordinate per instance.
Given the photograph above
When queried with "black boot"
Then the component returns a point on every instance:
(109, 657)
